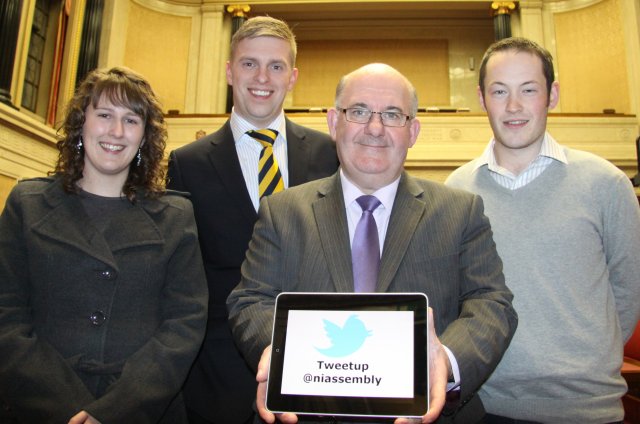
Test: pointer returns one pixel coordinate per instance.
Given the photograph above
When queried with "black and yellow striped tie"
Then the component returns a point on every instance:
(269, 177)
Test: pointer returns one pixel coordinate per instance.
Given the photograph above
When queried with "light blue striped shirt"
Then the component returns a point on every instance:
(248, 151)
(549, 151)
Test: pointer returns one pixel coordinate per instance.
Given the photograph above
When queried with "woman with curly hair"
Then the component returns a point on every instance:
(102, 290)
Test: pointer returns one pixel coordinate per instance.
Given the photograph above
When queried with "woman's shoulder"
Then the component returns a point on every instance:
(32, 193)
(34, 186)
(36, 183)
(177, 198)
(169, 199)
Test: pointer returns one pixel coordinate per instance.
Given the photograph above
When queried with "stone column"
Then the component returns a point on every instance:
(90, 42)
(238, 16)
(630, 12)
(502, 18)
(208, 91)
(531, 22)
(9, 26)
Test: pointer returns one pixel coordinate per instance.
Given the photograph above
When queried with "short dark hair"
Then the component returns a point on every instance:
(519, 44)
(122, 87)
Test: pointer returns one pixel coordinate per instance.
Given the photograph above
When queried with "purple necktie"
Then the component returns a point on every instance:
(365, 251)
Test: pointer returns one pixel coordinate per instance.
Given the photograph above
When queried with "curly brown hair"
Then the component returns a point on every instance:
(122, 87)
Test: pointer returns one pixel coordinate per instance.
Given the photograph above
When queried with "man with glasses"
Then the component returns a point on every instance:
(360, 115)
(430, 239)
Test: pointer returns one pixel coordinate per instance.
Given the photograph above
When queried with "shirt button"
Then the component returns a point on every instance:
(106, 274)
(97, 318)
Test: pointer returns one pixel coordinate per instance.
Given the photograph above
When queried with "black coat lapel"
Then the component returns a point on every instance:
(297, 153)
(224, 158)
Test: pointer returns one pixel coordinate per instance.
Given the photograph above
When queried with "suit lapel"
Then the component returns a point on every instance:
(408, 208)
(224, 158)
(297, 153)
(329, 211)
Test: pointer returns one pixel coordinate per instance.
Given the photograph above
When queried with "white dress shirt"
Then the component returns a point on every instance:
(550, 150)
(249, 150)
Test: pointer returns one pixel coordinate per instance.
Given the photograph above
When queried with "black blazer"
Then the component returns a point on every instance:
(221, 386)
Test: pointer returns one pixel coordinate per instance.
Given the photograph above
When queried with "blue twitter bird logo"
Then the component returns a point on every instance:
(344, 340)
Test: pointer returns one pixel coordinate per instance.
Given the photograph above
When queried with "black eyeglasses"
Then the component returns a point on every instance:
(360, 115)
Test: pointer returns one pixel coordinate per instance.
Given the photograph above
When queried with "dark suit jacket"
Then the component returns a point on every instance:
(438, 242)
(109, 323)
(221, 387)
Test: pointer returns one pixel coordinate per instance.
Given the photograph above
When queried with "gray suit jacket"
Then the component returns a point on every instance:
(438, 242)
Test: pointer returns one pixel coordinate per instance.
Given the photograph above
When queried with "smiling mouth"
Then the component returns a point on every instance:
(111, 147)
(372, 146)
(371, 141)
(261, 93)
(516, 122)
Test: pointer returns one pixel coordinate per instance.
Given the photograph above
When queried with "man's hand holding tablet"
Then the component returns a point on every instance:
(347, 383)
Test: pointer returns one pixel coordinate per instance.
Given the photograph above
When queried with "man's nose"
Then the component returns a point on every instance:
(375, 126)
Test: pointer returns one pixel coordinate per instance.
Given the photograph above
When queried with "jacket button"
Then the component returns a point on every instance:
(106, 274)
(97, 318)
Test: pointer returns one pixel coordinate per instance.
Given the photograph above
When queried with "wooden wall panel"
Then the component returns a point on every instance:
(157, 46)
(322, 63)
(6, 184)
(591, 59)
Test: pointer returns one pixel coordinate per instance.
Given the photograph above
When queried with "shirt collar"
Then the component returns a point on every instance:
(550, 148)
(239, 126)
(386, 194)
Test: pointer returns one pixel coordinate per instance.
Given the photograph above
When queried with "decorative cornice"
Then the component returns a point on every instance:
(502, 7)
(560, 6)
(170, 8)
(530, 4)
(25, 123)
(238, 10)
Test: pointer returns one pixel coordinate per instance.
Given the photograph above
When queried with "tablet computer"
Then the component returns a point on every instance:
(349, 354)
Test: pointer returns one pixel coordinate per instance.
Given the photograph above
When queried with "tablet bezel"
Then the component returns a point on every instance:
(350, 406)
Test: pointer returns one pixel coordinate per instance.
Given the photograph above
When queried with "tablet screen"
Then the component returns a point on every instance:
(349, 354)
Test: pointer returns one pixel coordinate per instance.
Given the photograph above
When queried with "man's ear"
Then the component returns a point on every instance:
(228, 72)
(293, 79)
(332, 121)
(414, 130)
(554, 95)
(481, 98)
